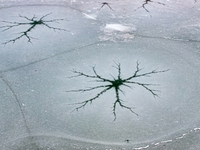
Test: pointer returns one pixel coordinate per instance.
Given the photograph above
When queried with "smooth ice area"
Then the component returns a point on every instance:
(57, 57)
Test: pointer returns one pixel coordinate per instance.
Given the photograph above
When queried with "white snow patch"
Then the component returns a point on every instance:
(117, 32)
(90, 16)
(119, 27)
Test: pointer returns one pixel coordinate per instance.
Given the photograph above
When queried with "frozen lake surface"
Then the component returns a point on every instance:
(130, 69)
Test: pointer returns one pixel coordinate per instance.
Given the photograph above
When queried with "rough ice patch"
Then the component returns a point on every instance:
(117, 32)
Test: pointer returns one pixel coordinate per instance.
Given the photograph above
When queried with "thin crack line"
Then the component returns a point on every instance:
(165, 38)
(19, 105)
(52, 56)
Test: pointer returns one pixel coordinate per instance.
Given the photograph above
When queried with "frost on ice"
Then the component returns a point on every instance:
(117, 32)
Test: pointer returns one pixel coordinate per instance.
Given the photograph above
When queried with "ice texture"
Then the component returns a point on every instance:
(44, 42)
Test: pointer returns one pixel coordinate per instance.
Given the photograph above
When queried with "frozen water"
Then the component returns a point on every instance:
(36, 111)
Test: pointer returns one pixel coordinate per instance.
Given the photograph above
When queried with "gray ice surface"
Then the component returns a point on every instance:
(35, 109)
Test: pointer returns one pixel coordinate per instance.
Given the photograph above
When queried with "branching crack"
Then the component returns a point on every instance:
(115, 84)
(146, 2)
(32, 22)
(105, 3)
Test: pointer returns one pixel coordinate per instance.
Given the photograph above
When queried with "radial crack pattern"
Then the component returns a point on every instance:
(32, 23)
(116, 83)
